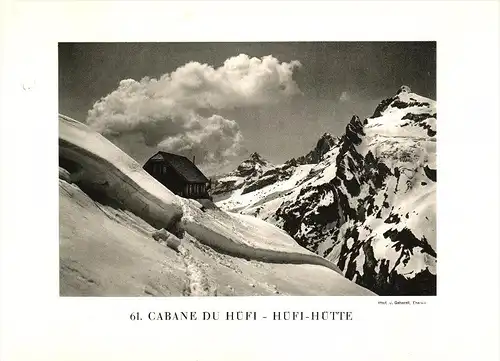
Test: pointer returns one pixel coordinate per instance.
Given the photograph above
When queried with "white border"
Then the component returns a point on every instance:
(461, 323)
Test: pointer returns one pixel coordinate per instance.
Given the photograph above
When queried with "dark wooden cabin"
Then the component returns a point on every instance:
(178, 174)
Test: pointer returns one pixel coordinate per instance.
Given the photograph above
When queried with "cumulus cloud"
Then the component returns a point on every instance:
(178, 111)
(220, 135)
(344, 97)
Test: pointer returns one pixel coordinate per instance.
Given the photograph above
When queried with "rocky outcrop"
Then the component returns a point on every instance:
(249, 171)
(323, 146)
(252, 166)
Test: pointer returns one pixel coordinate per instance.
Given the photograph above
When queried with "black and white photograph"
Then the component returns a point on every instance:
(232, 177)
(247, 169)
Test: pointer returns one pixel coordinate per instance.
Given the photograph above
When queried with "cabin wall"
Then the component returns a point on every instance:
(195, 190)
(163, 173)
(167, 176)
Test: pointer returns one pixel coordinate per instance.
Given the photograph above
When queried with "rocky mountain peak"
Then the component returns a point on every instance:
(252, 166)
(326, 136)
(404, 89)
(402, 99)
(326, 142)
(256, 157)
(354, 130)
(323, 146)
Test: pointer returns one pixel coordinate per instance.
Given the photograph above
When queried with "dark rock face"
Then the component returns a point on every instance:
(352, 170)
(383, 281)
(224, 187)
(249, 170)
(325, 143)
(430, 173)
(271, 176)
(251, 166)
(305, 213)
(384, 104)
(401, 105)
(353, 132)
(257, 158)
(421, 121)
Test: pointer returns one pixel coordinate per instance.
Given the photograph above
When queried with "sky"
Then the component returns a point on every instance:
(222, 101)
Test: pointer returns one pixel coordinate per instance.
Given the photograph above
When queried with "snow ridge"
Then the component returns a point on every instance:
(104, 170)
(246, 237)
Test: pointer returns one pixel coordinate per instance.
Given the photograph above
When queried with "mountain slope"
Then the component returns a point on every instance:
(369, 204)
(247, 172)
(263, 194)
(112, 214)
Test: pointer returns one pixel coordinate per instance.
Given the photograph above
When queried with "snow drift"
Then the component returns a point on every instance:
(248, 237)
(101, 168)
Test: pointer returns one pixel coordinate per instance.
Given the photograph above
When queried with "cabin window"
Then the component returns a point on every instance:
(164, 169)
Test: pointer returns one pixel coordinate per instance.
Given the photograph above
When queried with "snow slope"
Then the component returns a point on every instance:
(110, 252)
(244, 235)
(103, 169)
(369, 203)
(262, 195)
(110, 208)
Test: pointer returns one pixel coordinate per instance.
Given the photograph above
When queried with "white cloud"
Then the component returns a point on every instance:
(216, 139)
(344, 97)
(166, 112)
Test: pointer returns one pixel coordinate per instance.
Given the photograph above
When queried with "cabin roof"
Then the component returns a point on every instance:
(183, 166)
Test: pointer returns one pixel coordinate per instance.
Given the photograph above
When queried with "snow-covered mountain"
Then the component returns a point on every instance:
(122, 233)
(248, 171)
(366, 201)
(256, 173)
